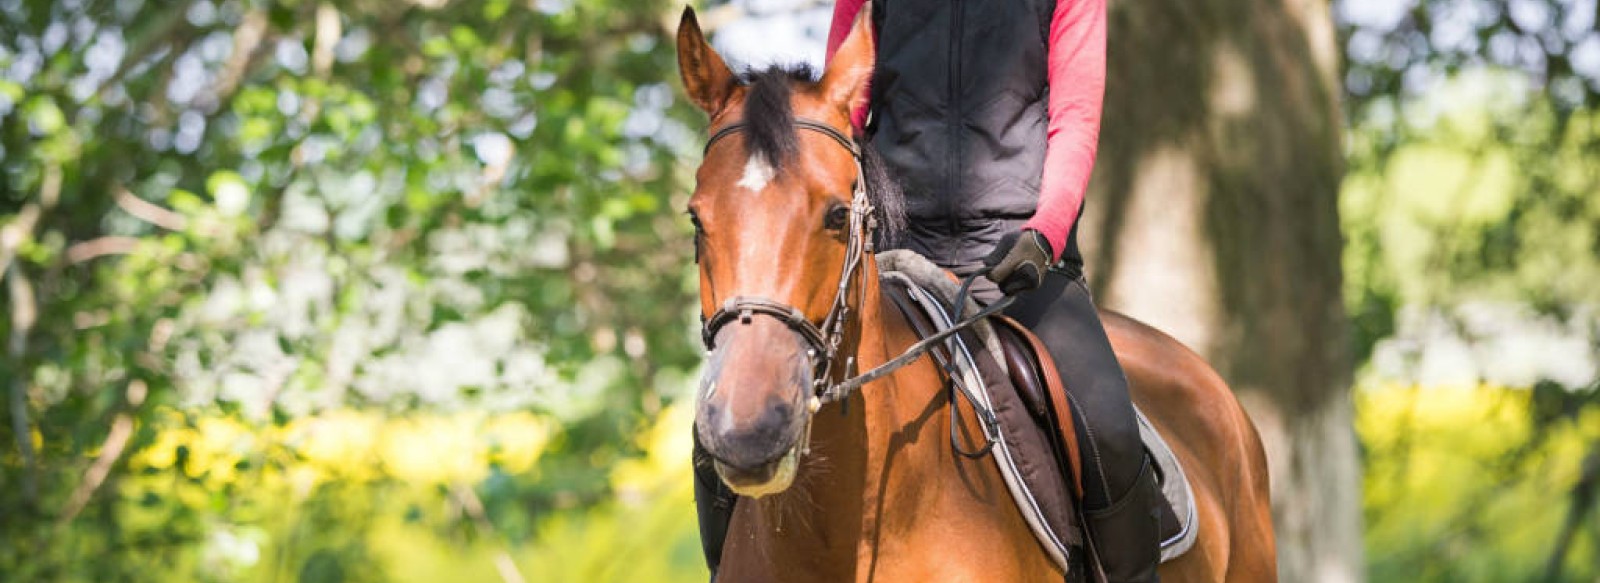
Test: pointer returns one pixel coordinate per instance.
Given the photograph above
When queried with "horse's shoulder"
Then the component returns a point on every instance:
(1166, 378)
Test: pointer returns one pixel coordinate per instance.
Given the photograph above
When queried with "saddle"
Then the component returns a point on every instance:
(1009, 374)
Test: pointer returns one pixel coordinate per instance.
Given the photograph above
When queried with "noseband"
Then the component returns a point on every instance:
(822, 340)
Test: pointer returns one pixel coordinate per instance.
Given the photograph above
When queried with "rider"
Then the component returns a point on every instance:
(989, 112)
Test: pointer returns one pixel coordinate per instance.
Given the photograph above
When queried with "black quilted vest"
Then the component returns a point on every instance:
(959, 114)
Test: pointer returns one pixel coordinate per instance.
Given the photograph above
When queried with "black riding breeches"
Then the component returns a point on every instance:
(713, 504)
(1062, 314)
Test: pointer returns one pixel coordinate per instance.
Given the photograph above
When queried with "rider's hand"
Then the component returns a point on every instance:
(1019, 261)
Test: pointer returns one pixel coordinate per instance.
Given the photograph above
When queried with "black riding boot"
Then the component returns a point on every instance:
(713, 503)
(1126, 534)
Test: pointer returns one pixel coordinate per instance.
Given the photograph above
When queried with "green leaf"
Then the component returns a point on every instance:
(185, 202)
(229, 191)
(494, 9)
(436, 47)
(11, 90)
(464, 38)
(44, 117)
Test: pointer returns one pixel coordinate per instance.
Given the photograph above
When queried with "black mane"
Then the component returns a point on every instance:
(770, 133)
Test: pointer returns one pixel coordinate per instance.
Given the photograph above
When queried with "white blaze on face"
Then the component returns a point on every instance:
(757, 174)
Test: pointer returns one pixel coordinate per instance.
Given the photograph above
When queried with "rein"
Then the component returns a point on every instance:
(824, 339)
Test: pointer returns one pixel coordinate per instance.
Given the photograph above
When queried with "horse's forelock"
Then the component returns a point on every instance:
(769, 116)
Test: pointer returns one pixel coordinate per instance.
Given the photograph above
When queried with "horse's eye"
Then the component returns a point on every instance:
(838, 216)
(699, 233)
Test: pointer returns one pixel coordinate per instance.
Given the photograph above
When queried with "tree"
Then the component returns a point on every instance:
(1213, 215)
(260, 211)
(1470, 210)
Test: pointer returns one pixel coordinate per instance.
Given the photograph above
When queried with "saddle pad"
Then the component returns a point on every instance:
(1174, 487)
(1028, 475)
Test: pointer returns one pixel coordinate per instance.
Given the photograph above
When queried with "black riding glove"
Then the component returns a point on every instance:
(1019, 261)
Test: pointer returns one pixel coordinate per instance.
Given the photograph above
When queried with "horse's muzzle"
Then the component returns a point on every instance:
(751, 413)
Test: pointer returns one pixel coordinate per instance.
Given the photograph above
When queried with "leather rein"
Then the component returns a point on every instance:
(824, 339)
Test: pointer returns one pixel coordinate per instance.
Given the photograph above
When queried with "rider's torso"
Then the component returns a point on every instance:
(959, 112)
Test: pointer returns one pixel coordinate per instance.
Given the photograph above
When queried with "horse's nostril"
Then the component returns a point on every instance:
(752, 438)
(713, 418)
(776, 419)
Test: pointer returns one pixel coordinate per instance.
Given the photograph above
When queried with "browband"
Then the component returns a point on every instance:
(804, 124)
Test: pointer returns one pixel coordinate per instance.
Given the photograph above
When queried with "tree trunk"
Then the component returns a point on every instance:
(1213, 215)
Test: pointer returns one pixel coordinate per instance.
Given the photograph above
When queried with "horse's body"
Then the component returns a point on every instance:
(877, 493)
(883, 498)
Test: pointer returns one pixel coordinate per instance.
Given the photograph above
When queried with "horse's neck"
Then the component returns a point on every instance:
(906, 414)
(844, 488)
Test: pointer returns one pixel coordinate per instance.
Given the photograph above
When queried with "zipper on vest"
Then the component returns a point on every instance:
(954, 169)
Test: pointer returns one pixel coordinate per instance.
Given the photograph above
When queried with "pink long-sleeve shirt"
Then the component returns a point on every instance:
(1077, 81)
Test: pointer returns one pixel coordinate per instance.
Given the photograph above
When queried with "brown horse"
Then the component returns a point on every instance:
(868, 488)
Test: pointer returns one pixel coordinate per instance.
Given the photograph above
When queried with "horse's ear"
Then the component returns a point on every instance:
(705, 76)
(844, 82)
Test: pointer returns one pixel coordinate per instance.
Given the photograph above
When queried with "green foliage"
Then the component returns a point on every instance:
(1473, 192)
(1470, 484)
(362, 496)
(1470, 147)
(262, 212)
(370, 291)
(1473, 243)
(1406, 46)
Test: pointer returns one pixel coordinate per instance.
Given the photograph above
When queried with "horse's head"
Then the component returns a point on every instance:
(779, 225)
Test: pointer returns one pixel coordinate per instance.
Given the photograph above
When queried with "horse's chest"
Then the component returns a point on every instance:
(928, 566)
(956, 556)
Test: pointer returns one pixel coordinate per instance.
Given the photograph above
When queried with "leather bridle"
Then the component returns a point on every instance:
(823, 340)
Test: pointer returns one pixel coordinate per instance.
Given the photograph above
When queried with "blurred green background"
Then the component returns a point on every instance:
(382, 290)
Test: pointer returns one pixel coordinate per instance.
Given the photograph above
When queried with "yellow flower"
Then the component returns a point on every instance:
(343, 442)
(216, 452)
(516, 440)
(433, 450)
(668, 448)
(164, 452)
